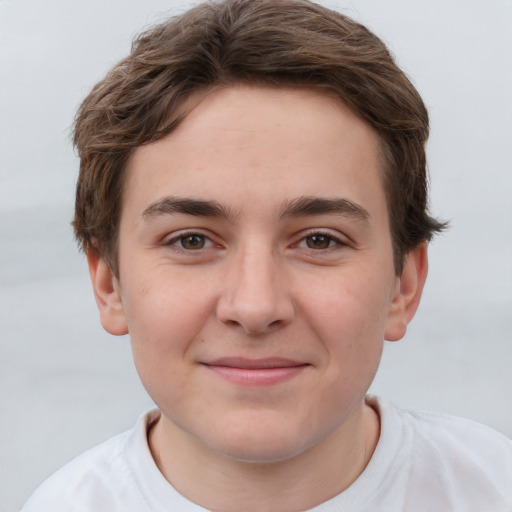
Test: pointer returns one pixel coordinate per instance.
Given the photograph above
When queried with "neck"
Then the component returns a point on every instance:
(301, 482)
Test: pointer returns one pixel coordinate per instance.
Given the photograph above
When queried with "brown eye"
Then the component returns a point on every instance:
(193, 242)
(318, 241)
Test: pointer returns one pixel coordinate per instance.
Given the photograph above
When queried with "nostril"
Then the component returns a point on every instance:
(252, 329)
(232, 323)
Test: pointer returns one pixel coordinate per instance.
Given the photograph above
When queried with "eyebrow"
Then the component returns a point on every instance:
(197, 207)
(306, 205)
(299, 207)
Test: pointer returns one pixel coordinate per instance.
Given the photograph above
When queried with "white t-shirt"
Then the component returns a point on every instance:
(424, 462)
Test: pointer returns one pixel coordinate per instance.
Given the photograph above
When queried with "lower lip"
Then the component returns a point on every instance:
(257, 376)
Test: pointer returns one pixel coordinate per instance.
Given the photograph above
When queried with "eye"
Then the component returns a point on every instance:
(191, 241)
(320, 241)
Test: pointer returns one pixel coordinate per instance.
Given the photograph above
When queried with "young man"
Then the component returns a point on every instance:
(252, 201)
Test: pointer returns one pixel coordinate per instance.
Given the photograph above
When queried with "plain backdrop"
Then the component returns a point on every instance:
(66, 385)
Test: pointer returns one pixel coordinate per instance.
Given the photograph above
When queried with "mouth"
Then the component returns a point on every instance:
(256, 372)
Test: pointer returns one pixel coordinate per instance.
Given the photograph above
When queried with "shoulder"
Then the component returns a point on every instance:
(460, 461)
(95, 480)
(458, 439)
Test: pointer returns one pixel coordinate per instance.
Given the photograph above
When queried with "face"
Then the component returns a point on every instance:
(256, 274)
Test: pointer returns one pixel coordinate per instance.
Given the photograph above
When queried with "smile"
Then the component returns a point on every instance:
(256, 372)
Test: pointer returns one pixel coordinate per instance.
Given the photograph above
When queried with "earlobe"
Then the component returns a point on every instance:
(107, 294)
(407, 293)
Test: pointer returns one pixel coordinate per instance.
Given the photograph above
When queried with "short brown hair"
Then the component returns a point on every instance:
(259, 42)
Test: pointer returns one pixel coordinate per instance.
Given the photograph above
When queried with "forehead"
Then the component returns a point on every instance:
(275, 144)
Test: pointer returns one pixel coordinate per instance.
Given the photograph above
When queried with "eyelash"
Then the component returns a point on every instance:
(177, 241)
(333, 241)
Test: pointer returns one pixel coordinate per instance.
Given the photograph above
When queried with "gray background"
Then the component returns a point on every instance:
(66, 385)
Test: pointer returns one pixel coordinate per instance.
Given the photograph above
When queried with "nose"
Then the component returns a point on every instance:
(255, 294)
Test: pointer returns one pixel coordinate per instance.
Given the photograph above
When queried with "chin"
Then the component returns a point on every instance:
(261, 451)
(261, 442)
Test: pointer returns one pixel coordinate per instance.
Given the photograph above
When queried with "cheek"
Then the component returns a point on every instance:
(351, 307)
(162, 328)
(164, 319)
(164, 306)
(349, 316)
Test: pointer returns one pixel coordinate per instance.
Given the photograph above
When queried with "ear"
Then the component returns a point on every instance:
(407, 293)
(107, 294)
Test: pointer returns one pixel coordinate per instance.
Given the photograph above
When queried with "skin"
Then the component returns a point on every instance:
(259, 230)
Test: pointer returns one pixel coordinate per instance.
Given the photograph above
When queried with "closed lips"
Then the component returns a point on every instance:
(255, 364)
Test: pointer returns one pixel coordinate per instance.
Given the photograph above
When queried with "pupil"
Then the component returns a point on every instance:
(318, 242)
(193, 242)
